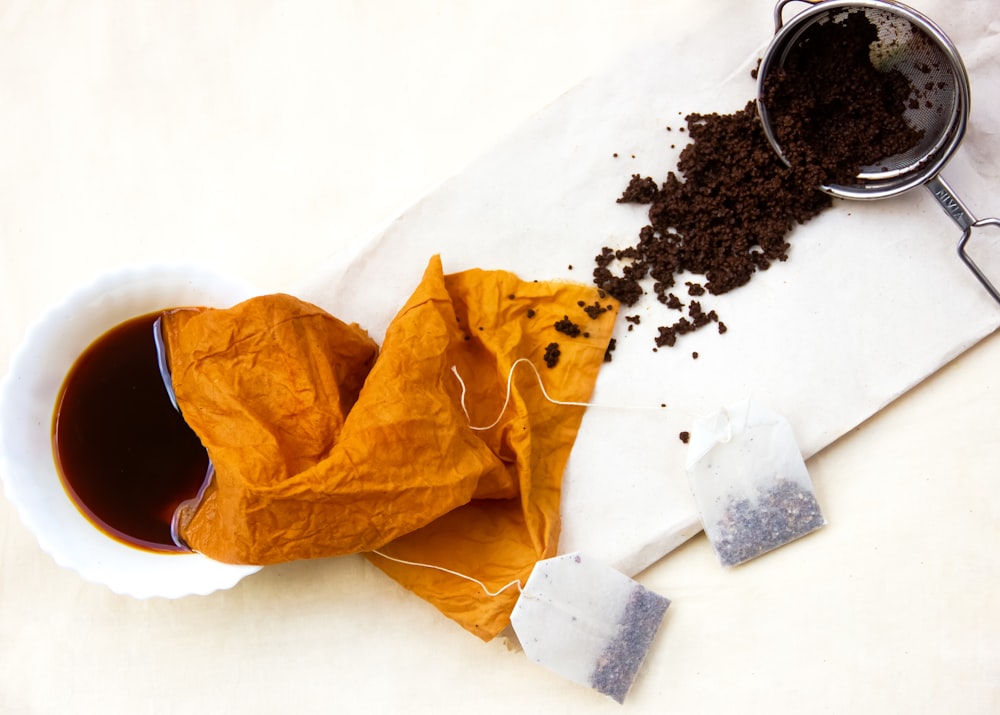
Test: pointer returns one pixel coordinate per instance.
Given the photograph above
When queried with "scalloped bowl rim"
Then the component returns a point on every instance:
(28, 394)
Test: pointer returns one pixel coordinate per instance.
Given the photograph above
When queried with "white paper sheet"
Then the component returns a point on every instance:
(807, 337)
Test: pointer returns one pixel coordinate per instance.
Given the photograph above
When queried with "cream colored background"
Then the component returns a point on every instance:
(264, 138)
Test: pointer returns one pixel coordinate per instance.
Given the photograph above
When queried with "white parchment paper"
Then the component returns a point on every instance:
(872, 300)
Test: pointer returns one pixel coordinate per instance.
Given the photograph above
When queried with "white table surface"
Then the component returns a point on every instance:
(261, 139)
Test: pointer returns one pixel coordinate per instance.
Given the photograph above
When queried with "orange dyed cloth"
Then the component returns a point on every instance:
(321, 448)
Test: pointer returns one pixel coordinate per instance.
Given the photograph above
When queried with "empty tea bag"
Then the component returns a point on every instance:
(750, 483)
(587, 622)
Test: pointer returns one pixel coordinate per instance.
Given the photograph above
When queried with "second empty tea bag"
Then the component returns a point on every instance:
(749, 481)
(588, 622)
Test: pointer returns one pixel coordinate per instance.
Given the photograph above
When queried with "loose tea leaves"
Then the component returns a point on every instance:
(750, 527)
(750, 483)
(619, 663)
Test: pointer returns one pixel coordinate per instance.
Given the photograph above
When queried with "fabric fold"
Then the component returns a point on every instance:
(324, 444)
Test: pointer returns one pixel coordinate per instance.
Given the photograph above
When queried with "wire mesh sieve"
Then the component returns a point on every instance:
(938, 107)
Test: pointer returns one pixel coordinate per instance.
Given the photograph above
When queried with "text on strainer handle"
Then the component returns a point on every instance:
(951, 204)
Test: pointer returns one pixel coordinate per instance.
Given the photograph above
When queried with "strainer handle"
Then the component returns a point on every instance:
(951, 204)
(961, 214)
(967, 259)
(778, 19)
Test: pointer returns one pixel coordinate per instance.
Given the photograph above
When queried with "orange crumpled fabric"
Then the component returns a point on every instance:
(324, 445)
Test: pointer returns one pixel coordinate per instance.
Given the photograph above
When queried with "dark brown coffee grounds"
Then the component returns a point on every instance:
(625, 287)
(551, 356)
(594, 309)
(611, 348)
(696, 318)
(725, 220)
(834, 108)
(726, 212)
(685, 437)
(640, 191)
(567, 327)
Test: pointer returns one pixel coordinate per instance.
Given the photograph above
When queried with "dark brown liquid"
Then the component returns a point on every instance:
(124, 453)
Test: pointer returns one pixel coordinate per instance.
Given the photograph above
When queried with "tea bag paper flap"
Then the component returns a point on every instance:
(588, 622)
(715, 428)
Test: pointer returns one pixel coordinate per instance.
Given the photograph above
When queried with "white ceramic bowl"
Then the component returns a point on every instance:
(27, 400)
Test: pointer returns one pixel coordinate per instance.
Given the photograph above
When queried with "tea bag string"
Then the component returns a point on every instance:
(545, 394)
(516, 583)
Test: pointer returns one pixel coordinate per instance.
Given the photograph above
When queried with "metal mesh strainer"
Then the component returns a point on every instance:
(912, 44)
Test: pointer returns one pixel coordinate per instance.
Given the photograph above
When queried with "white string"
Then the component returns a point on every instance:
(510, 377)
(506, 402)
(541, 385)
(491, 594)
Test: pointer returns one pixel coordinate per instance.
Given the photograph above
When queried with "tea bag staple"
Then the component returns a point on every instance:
(749, 481)
(587, 622)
